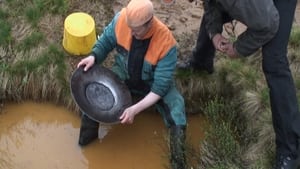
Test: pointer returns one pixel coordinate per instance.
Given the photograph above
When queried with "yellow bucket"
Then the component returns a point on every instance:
(79, 33)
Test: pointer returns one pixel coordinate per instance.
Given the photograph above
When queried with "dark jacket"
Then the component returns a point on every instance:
(260, 16)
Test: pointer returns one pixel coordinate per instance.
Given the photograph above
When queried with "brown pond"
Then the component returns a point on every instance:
(44, 136)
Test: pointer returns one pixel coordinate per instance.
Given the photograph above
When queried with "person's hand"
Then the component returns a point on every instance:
(128, 115)
(87, 62)
(220, 42)
(230, 51)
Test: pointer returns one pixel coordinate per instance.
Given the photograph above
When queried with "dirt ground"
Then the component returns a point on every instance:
(180, 16)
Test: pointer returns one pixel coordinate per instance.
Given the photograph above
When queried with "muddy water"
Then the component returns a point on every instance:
(45, 136)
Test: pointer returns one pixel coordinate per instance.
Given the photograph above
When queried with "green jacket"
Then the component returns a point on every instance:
(160, 60)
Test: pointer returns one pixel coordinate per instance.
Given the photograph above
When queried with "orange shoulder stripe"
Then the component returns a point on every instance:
(123, 32)
(161, 42)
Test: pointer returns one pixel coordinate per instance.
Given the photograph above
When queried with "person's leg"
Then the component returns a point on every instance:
(203, 53)
(284, 104)
(172, 109)
(88, 130)
(177, 147)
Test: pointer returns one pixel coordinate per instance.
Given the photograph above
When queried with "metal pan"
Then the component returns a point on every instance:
(100, 94)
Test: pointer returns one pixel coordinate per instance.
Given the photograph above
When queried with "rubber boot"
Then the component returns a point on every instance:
(88, 130)
(177, 147)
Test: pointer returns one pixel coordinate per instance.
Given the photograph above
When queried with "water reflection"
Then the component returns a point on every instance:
(39, 135)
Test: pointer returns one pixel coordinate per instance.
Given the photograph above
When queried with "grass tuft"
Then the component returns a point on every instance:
(294, 40)
(31, 41)
(33, 15)
(221, 148)
(5, 33)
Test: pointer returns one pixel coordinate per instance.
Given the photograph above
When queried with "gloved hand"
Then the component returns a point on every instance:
(220, 42)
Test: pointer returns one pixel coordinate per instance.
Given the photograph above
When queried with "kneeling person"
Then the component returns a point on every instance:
(145, 61)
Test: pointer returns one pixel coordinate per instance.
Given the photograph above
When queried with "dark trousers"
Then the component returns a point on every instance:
(284, 104)
(204, 51)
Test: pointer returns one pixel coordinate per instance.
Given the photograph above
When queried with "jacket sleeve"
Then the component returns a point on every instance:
(261, 18)
(106, 42)
(212, 18)
(164, 73)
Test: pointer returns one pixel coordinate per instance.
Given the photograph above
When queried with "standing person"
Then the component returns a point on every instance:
(145, 61)
(269, 24)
